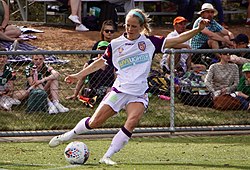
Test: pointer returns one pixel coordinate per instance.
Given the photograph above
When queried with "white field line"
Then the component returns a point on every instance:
(63, 167)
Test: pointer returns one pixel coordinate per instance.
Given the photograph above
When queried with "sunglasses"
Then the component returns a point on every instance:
(111, 31)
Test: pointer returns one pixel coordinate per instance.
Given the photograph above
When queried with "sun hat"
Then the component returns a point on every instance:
(241, 38)
(246, 67)
(208, 7)
(179, 19)
(102, 44)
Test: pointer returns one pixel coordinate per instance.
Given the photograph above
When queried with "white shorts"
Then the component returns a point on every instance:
(118, 101)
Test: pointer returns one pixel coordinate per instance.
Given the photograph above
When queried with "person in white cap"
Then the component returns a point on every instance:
(214, 35)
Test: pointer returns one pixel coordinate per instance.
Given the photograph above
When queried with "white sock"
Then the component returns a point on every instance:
(118, 142)
(81, 127)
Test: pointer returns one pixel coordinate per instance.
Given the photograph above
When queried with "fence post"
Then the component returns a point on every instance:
(172, 114)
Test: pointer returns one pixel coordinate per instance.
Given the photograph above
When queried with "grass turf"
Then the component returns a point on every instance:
(223, 152)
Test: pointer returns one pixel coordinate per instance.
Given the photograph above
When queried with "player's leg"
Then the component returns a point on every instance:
(102, 113)
(135, 111)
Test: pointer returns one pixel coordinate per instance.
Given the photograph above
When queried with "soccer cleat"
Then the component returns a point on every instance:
(81, 28)
(53, 109)
(75, 19)
(57, 140)
(107, 161)
(61, 108)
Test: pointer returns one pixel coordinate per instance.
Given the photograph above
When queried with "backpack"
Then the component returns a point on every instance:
(158, 83)
(37, 101)
(194, 91)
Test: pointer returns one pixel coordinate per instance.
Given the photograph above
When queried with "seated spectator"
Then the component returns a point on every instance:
(214, 35)
(7, 32)
(182, 61)
(245, 80)
(241, 41)
(99, 82)
(8, 96)
(244, 86)
(106, 34)
(127, 4)
(47, 79)
(76, 16)
(219, 8)
(222, 77)
(247, 3)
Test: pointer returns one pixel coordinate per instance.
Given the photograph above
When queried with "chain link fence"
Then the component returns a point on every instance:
(169, 110)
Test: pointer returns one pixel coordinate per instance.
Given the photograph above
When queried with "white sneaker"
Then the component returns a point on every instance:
(53, 109)
(5, 102)
(81, 27)
(75, 19)
(14, 46)
(6, 106)
(107, 161)
(57, 140)
(61, 108)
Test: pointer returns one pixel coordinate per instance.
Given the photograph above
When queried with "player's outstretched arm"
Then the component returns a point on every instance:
(96, 65)
(186, 35)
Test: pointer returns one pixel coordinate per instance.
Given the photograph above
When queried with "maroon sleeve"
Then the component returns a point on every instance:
(158, 42)
(108, 55)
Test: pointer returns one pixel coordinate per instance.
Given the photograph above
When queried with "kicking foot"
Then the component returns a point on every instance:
(107, 161)
(57, 140)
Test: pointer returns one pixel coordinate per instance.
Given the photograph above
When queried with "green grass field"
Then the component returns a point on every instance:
(194, 153)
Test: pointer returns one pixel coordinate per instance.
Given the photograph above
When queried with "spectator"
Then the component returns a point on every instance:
(219, 8)
(222, 77)
(127, 4)
(244, 87)
(182, 61)
(8, 96)
(106, 34)
(47, 80)
(214, 35)
(241, 41)
(247, 3)
(7, 32)
(99, 82)
(76, 17)
(244, 84)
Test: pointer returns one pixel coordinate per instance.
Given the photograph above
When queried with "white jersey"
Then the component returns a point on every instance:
(132, 60)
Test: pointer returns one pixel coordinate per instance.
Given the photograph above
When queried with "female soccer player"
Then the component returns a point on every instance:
(131, 54)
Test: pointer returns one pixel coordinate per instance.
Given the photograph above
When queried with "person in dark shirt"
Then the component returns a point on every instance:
(99, 82)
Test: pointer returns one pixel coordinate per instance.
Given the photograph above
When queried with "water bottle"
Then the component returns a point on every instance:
(163, 97)
(35, 74)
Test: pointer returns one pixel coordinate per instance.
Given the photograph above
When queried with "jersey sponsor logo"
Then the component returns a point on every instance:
(133, 60)
(142, 45)
(129, 43)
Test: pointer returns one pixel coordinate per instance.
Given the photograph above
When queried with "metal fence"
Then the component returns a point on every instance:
(168, 111)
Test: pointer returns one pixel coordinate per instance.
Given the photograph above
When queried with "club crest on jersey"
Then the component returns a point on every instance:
(142, 45)
(120, 50)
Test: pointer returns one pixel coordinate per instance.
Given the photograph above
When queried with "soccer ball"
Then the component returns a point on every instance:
(76, 152)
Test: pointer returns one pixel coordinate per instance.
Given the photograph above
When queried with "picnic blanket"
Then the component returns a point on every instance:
(25, 59)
